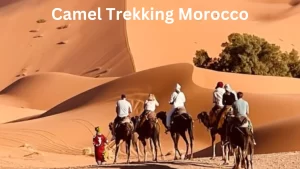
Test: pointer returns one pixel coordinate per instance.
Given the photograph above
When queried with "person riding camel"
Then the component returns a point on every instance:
(228, 88)
(218, 103)
(149, 106)
(241, 108)
(229, 97)
(177, 101)
(99, 142)
(123, 109)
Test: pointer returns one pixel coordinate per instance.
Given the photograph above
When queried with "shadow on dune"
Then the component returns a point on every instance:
(145, 166)
(279, 15)
(7, 2)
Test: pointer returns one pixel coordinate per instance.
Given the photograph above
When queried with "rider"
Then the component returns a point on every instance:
(123, 109)
(228, 88)
(218, 102)
(149, 106)
(177, 101)
(229, 97)
(241, 108)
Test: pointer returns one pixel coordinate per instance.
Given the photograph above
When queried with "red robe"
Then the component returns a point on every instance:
(99, 142)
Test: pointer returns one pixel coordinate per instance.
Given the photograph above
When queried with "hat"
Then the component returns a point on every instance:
(97, 129)
(219, 84)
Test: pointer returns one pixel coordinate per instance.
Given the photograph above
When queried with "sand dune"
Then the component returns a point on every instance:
(96, 106)
(52, 87)
(179, 46)
(104, 48)
(54, 95)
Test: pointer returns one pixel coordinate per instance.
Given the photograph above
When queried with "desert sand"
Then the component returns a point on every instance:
(60, 79)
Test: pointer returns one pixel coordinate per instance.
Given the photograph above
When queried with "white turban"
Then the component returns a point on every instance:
(178, 87)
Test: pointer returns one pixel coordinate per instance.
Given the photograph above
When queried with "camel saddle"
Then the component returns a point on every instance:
(124, 120)
(148, 115)
(178, 112)
(239, 121)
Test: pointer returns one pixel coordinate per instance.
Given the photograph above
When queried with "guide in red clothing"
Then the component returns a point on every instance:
(99, 141)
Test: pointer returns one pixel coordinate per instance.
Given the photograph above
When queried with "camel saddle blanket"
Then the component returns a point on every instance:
(150, 115)
(126, 120)
(226, 110)
(241, 121)
(180, 111)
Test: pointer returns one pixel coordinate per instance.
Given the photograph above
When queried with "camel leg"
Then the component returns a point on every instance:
(128, 142)
(151, 147)
(213, 138)
(187, 144)
(175, 141)
(226, 162)
(251, 154)
(117, 150)
(154, 141)
(155, 148)
(234, 157)
(237, 158)
(191, 135)
(135, 145)
(159, 146)
(223, 151)
(145, 152)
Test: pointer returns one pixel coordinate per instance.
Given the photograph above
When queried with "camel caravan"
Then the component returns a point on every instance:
(228, 118)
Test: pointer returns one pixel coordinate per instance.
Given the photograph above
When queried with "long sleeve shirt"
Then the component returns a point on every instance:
(178, 99)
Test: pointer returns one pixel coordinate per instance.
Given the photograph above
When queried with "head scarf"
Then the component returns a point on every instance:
(228, 88)
(219, 85)
(177, 88)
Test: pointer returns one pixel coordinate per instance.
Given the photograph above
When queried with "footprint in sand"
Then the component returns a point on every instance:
(34, 31)
(63, 27)
(41, 21)
(62, 42)
(96, 72)
(38, 36)
(22, 73)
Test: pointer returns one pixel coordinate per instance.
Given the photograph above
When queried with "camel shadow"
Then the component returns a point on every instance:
(160, 165)
(133, 165)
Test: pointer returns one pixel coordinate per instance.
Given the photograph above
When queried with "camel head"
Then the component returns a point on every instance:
(204, 118)
(162, 115)
(110, 126)
(134, 119)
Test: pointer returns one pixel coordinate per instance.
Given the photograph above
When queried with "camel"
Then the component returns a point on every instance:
(204, 118)
(241, 140)
(149, 128)
(181, 123)
(124, 131)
